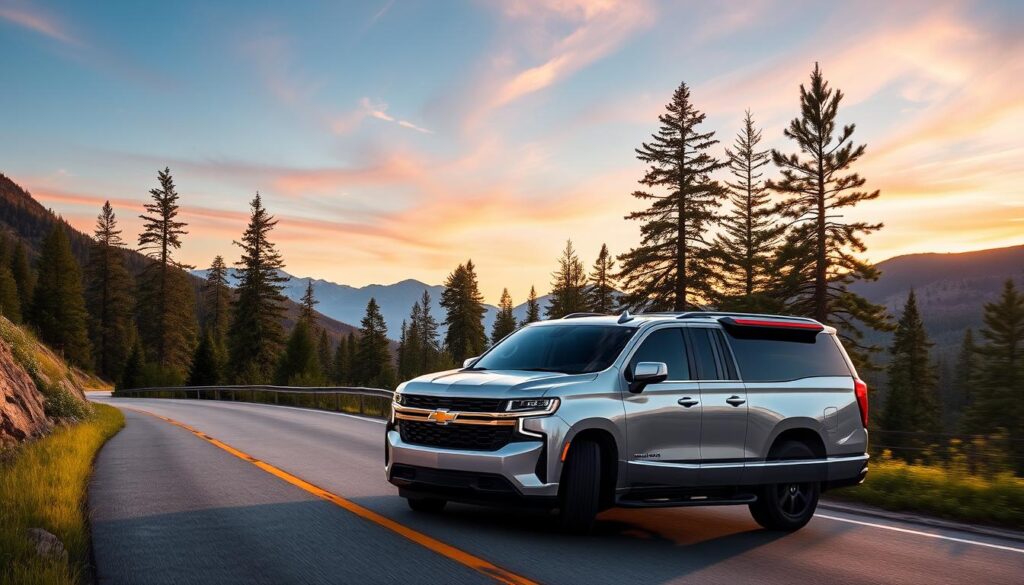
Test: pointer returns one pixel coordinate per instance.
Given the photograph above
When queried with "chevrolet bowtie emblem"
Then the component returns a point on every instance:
(442, 417)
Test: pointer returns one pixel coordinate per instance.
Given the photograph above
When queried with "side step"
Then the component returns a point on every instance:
(687, 501)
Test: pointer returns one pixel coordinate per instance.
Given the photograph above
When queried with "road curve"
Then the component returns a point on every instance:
(170, 506)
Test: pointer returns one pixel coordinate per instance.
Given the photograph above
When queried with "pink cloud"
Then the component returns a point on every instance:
(38, 22)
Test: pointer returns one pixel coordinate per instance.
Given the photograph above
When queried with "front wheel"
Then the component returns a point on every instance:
(581, 488)
(787, 506)
(428, 505)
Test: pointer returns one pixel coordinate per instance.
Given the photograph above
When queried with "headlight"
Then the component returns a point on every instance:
(530, 404)
(398, 398)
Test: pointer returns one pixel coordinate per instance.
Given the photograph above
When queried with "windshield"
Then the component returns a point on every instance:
(569, 349)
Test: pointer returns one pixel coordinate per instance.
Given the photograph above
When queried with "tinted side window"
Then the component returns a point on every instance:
(704, 355)
(765, 359)
(665, 345)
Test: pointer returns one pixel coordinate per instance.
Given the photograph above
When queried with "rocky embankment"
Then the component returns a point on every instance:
(22, 413)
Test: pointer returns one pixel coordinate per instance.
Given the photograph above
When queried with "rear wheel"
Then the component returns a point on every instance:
(428, 505)
(581, 488)
(787, 506)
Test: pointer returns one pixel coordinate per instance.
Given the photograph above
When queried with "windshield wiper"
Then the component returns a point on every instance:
(553, 370)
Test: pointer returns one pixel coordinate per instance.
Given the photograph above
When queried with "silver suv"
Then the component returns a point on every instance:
(653, 410)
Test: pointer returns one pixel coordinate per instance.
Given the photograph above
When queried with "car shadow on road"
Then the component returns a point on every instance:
(625, 545)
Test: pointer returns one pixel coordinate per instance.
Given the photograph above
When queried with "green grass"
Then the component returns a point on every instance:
(43, 485)
(944, 491)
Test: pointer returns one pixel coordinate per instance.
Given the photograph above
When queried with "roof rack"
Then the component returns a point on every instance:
(716, 314)
(578, 315)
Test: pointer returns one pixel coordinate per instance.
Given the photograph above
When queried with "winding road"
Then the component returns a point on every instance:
(221, 492)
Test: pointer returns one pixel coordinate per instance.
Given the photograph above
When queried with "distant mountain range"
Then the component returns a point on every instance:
(951, 290)
(348, 303)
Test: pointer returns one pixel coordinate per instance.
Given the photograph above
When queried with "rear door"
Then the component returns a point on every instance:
(663, 422)
(724, 408)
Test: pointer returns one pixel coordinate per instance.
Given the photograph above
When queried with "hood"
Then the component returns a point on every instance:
(492, 383)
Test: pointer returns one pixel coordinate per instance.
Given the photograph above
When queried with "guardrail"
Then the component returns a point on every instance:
(352, 400)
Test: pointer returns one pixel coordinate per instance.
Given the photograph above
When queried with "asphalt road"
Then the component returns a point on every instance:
(170, 506)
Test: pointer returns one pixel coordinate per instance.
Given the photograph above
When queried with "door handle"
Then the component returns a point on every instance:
(735, 400)
(687, 402)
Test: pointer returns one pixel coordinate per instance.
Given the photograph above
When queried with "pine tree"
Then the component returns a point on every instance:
(996, 400)
(669, 268)
(108, 297)
(505, 322)
(208, 362)
(166, 301)
(601, 290)
(340, 365)
(410, 350)
(10, 304)
(745, 248)
(21, 269)
(373, 365)
(217, 296)
(432, 357)
(256, 332)
(912, 404)
(569, 287)
(133, 375)
(58, 306)
(965, 372)
(324, 355)
(825, 247)
(532, 307)
(463, 303)
(308, 303)
(299, 364)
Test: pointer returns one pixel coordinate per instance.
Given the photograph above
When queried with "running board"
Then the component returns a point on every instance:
(686, 501)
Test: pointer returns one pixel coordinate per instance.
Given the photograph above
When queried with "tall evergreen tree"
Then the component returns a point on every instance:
(325, 355)
(58, 306)
(432, 357)
(217, 295)
(532, 307)
(821, 186)
(601, 289)
(21, 269)
(669, 269)
(166, 301)
(340, 365)
(373, 366)
(256, 332)
(10, 303)
(208, 362)
(967, 368)
(996, 402)
(133, 374)
(912, 404)
(505, 322)
(299, 364)
(308, 303)
(745, 247)
(410, 351)
(569, 287)
(108, 297)
(463, 303)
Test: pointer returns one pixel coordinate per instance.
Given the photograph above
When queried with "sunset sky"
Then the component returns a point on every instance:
(394, 139)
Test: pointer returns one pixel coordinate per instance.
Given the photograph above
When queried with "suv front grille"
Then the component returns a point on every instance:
(469, 437)
(453, 403)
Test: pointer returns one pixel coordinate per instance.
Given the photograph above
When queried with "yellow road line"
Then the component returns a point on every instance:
(460, 556)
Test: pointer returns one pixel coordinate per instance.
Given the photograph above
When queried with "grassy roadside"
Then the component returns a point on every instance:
(43, 485)
(945, 492)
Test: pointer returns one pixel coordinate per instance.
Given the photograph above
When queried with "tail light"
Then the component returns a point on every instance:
(860, 389)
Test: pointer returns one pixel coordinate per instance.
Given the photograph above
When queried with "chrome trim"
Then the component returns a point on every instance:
(458, 420)
(750, 464)
(477, 416)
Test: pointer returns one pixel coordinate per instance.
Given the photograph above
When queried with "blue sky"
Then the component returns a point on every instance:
(394, 139)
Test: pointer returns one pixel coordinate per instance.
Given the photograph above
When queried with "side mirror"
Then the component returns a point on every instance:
(645, 373)
(468, 362)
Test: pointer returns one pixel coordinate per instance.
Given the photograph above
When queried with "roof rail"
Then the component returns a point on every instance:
(578, 315)
(715, 314)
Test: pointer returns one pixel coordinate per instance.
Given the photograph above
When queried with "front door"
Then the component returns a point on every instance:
(724, 416)
(663, 422)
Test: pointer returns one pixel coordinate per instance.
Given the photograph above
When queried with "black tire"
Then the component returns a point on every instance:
(787, 506)
(581, 488)
(427, 505)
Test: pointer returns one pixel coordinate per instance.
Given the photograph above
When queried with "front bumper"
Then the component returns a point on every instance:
(521, 470)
